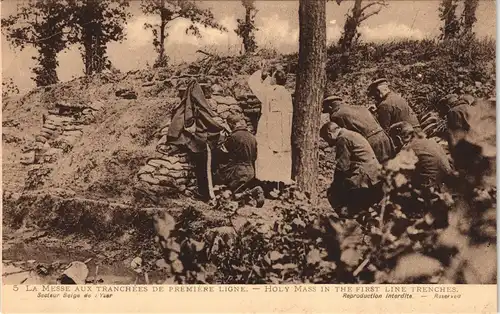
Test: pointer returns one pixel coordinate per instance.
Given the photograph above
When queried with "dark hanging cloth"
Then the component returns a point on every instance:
(193, 126)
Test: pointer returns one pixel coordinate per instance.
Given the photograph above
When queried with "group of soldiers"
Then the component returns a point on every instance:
(364, 140)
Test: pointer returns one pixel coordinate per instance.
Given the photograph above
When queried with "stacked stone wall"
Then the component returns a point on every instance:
(62, 127)
(172, 173)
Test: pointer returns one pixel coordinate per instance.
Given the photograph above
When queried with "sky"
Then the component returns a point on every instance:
(277, 23)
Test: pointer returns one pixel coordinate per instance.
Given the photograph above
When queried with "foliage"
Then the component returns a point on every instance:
(414, 235)
(426, 235)
(170, 10)
(422, 71)
(50, 26)
(41, 24)
(246, 28)
(9, 87)
(94, 24)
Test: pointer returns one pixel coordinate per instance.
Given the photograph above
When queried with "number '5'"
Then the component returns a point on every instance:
(15, 288)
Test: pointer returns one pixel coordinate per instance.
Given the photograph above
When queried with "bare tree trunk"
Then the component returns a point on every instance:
(309, 93)
(88, 51)
(469, 16)
(163, 24)
(451, 27)
(350, 27)
(246, 34)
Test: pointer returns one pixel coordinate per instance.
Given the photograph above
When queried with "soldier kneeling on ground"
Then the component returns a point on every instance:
(433, 167)
(355, 185)
(238, 174)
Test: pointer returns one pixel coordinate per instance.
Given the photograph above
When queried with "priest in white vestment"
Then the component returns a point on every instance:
(274, 129)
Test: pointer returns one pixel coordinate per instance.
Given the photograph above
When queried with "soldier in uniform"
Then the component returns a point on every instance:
(359, 119)
(391, 107)
(355, 184)
(433, 166)
(241, 149)
(458, 114)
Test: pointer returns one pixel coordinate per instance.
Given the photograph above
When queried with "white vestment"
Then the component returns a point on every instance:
(274, 131)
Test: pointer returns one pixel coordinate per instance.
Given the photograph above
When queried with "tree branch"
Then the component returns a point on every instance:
(205, 53)
(380, 3)
(364, 17)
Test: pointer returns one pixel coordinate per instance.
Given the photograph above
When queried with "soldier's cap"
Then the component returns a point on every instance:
(403, 129)
(376, 83)
(453, 100)
(332, 98)
(448, 99)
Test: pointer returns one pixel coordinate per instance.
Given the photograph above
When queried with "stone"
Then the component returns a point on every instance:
(40, 138)
(158, 163)
(165, 180)
(236, 108)
(175, 174)
(57, 119)
(148, 177)
(72, 128)
(222, 108)
(227, 100)
(167, 161)
(53, 133)
(251, 110)
(174, 167)
(217, 90)
(147, 169)
(253, 102)
(52, 126)
(28, 158)
(47, 135)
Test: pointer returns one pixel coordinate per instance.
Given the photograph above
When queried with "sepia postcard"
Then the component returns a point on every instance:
(309, 156)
